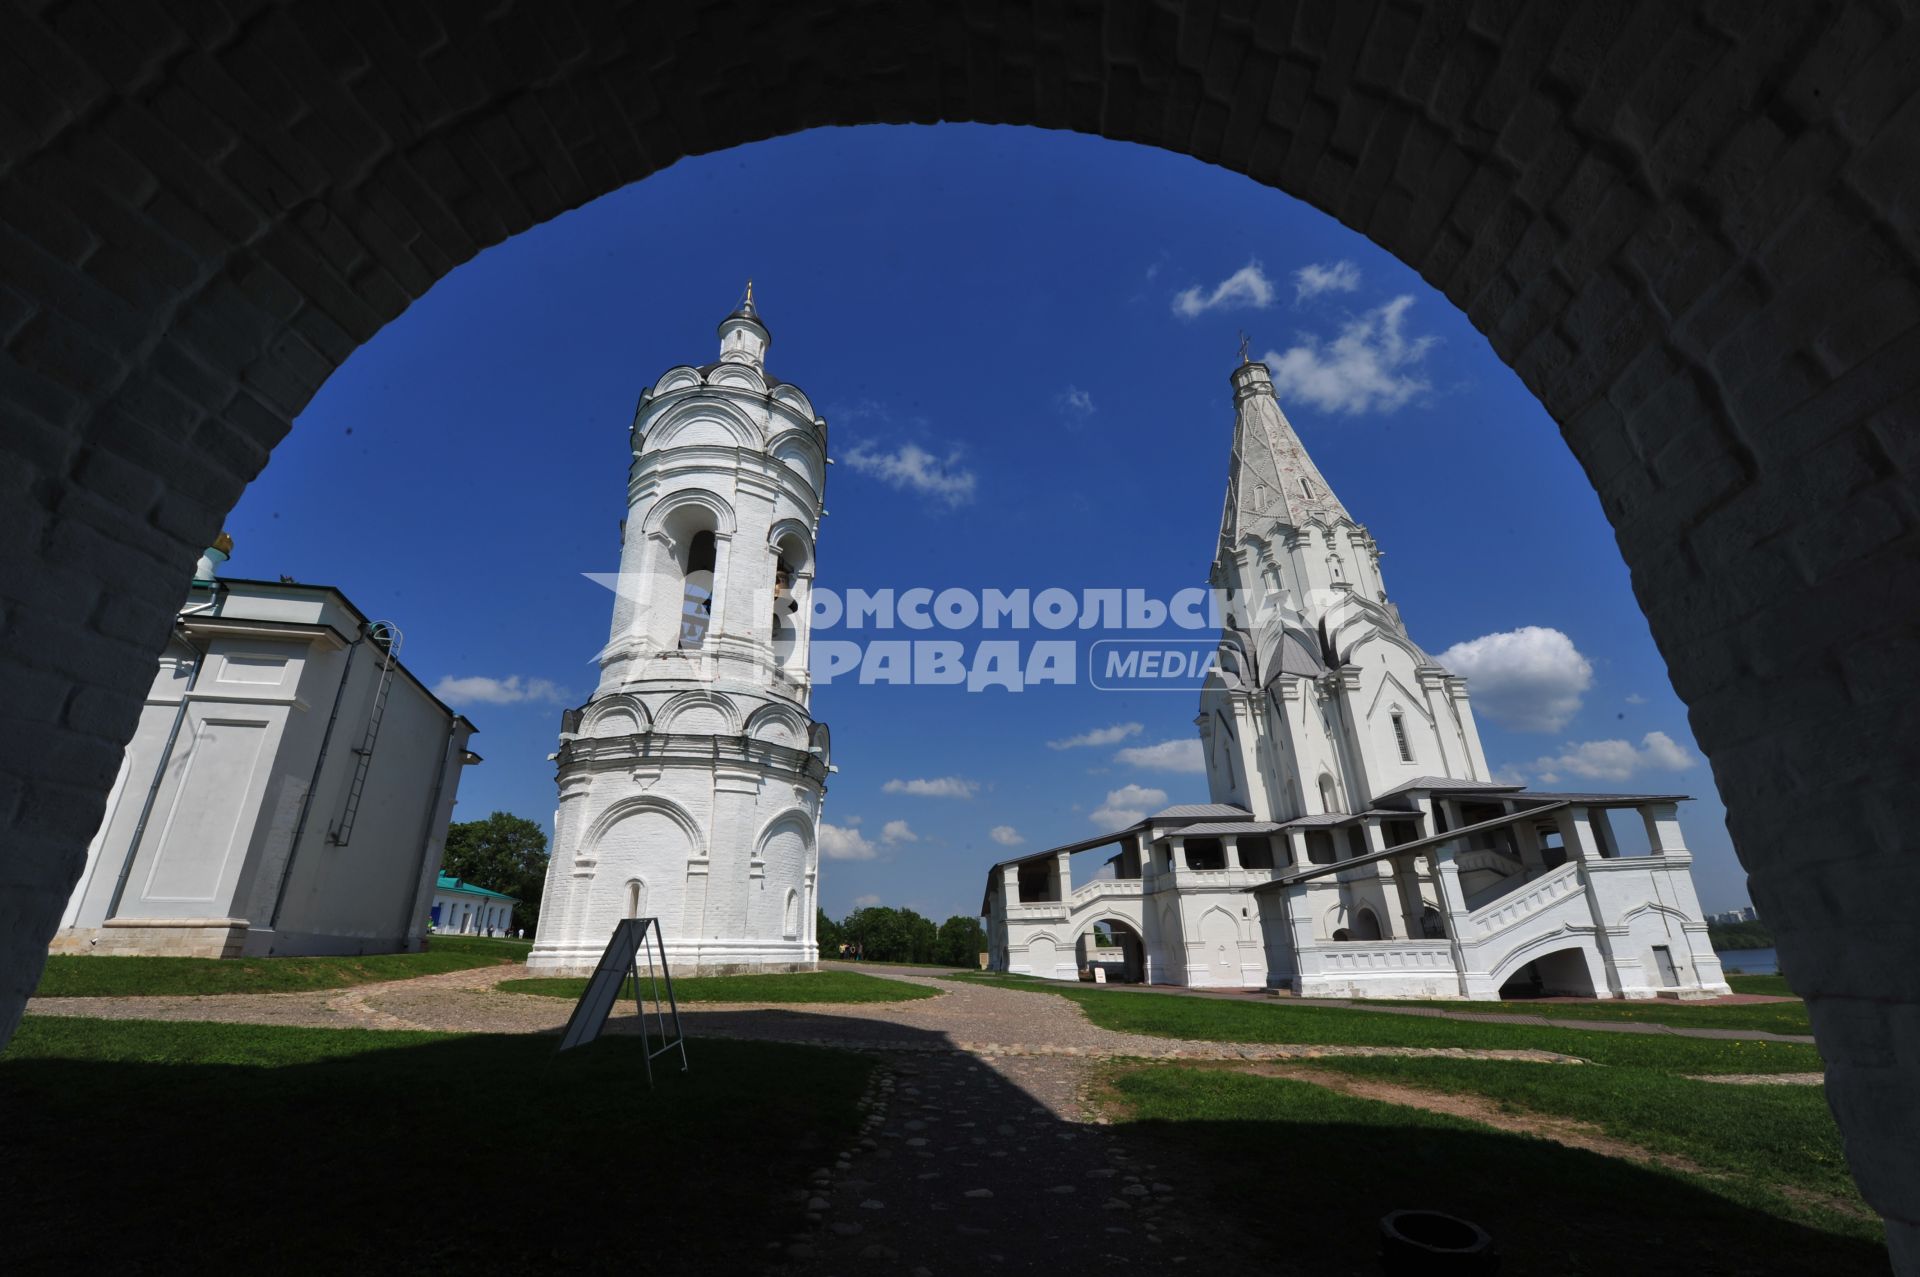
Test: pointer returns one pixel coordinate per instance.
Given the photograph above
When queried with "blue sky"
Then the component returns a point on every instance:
(1020, 341)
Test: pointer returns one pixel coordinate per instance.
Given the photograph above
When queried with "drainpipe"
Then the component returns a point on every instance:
(306, 804)
(426, 835)
(159, 772)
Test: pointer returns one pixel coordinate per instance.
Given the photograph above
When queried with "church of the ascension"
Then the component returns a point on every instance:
(1356, 844)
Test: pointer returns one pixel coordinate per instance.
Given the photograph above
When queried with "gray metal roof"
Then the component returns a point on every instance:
(1217, 828)
(1327, 819)
(1201, 811)
(1553, 797)
(1449, 783)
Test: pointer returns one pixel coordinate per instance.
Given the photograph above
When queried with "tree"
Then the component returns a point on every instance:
(962, 941)
(831, 936)
(504, 853)
(881, 933)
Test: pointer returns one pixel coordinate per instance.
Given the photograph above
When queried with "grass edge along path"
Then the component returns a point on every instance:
(1567, 1218)
(792, 986)
(1789, 1018)
(1200, 1018)
(1781, 1138)
(112, 976)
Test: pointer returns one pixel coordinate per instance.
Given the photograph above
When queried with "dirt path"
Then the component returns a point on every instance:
(973, 1019)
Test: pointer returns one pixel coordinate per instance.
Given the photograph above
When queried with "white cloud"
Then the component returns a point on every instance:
(1372, 366)
(1005, 835)
(895, 832)
(912, 468)
(1529, 679)
(843, 842)
(1168, 756)
(938, 787)
(1099, 736)
(481, 690)
(1075, 404)
(1324, 277)
(865, 902)
(1613, 760)
(1634, 698)
(1127, 805)
(1248, 286)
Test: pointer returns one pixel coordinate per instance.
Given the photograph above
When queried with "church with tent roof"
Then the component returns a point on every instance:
(1356, 844)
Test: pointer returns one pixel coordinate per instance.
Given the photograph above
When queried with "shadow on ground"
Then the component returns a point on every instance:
(146, 1146)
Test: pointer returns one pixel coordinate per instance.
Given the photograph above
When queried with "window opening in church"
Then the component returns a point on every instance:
(636, 898)
(1400, 738)
(1329, 796)
(696, 600)
(784, 605)
(1431, 928)
(1366, 926)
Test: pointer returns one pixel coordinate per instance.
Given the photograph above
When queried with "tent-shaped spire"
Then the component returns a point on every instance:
(1271, 478)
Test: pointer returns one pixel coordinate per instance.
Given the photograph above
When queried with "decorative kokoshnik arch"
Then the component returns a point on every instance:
(1690, 229)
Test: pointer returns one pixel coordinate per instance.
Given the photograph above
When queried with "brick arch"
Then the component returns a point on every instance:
(1690, 230)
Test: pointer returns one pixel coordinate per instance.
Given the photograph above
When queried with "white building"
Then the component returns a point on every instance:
(461, 908)
(287, 790)
(691, 781)
(1356, 844)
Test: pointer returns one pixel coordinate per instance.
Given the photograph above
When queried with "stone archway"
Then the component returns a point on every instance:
(1690, 229)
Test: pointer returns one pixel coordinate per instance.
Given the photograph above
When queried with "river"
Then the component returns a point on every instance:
(1749, 961)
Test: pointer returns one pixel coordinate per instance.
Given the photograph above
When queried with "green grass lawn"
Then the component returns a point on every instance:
(94, 976)
(851, 964)
(1772, 985)
(1224, 1020)
(1770, 1134)
(1766, 1017)
(150, 1146)
(1312, 1171)
(798, 986)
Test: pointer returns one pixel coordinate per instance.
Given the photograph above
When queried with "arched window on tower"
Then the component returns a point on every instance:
(1329, 794)
(791, 602)
(636, 898)
(696, 595)
(784, 606)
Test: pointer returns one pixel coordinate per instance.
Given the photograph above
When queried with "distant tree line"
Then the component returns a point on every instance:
(1739, 935)
(879, 934)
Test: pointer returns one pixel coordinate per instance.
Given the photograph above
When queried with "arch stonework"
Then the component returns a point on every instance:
(1689, 229)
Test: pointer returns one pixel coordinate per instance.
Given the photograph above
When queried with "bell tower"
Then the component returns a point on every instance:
(690, 782)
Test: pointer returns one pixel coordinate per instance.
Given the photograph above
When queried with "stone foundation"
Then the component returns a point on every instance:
(156, 938)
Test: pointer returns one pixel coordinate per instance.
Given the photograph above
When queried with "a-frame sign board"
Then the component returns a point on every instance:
(632, 938)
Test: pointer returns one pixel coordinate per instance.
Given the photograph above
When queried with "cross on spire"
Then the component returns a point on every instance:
(1243, 340)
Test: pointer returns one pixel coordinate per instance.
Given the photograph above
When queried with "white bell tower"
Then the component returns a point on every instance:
(691, 781)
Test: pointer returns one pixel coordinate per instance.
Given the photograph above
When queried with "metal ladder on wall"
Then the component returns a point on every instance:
(386, 636)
